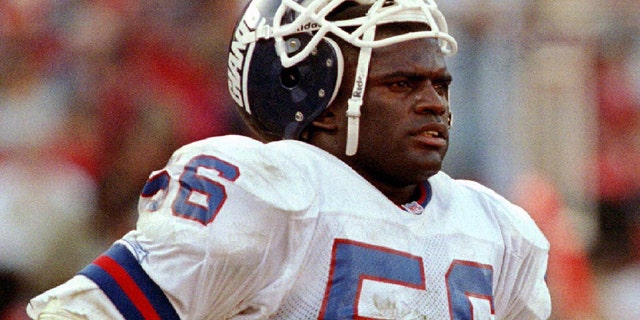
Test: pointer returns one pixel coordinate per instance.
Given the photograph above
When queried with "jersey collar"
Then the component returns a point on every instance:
(417, 207)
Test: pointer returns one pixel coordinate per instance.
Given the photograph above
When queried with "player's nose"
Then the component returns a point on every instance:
(429, 100)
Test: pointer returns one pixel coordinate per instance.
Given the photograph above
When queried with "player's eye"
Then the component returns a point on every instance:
(400, 86)
(441, 86)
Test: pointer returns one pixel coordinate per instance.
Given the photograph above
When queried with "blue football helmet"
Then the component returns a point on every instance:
(284, 68)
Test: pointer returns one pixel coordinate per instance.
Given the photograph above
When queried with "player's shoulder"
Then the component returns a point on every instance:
(275, 158)
(235, 146)
(457, 188)
(278, 173)
(514, 222)
(246, 150)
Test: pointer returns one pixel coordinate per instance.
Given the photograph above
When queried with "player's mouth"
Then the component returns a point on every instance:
(432, 135)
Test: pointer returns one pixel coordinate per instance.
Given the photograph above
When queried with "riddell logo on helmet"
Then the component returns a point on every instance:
(308, 27)
(359, 87)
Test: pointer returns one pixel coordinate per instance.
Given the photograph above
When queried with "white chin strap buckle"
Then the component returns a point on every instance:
(353, 124)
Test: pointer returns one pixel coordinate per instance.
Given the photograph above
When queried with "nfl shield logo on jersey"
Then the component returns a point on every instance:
(413, 207)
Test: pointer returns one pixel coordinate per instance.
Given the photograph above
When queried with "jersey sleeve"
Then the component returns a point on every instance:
(524, 271)
(522, 291)
(213, 231)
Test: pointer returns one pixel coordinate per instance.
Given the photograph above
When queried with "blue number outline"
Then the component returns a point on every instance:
(353, 262)
(459, 288)
(157, 183)
(215, 192)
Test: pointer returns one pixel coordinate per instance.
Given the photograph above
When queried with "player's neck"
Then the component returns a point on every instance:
(398, 194)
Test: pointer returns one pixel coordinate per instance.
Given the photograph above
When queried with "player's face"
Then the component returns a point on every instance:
(404, 132)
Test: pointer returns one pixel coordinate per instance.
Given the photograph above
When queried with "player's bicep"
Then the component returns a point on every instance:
(230, 241)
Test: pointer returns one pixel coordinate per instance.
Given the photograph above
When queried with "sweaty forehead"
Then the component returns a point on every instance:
(431, 45)
(420, 46)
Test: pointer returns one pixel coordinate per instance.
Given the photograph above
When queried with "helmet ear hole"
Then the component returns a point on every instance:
(290, 77)
(280, 102)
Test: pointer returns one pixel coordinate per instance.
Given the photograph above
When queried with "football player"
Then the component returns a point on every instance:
(342, 211)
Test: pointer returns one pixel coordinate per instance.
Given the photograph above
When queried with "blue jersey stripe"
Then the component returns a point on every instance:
(111, 288)
(115, 285)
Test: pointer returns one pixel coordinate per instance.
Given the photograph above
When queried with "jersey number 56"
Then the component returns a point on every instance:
(355, 262)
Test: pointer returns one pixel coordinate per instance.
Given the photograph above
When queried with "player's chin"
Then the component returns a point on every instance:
(431, 155)
(421, 169)
(430, 162)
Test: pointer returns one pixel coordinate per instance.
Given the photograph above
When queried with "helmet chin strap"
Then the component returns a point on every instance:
(357, 94)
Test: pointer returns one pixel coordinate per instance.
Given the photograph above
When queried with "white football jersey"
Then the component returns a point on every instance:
(233, 228)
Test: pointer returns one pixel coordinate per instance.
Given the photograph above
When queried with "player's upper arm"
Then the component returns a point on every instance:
(213, 230)
(224, 207)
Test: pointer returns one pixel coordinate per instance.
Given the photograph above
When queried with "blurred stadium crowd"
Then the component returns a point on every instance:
(94, 95)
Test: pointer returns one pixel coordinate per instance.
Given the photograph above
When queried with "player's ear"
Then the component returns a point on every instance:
(326, 121)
